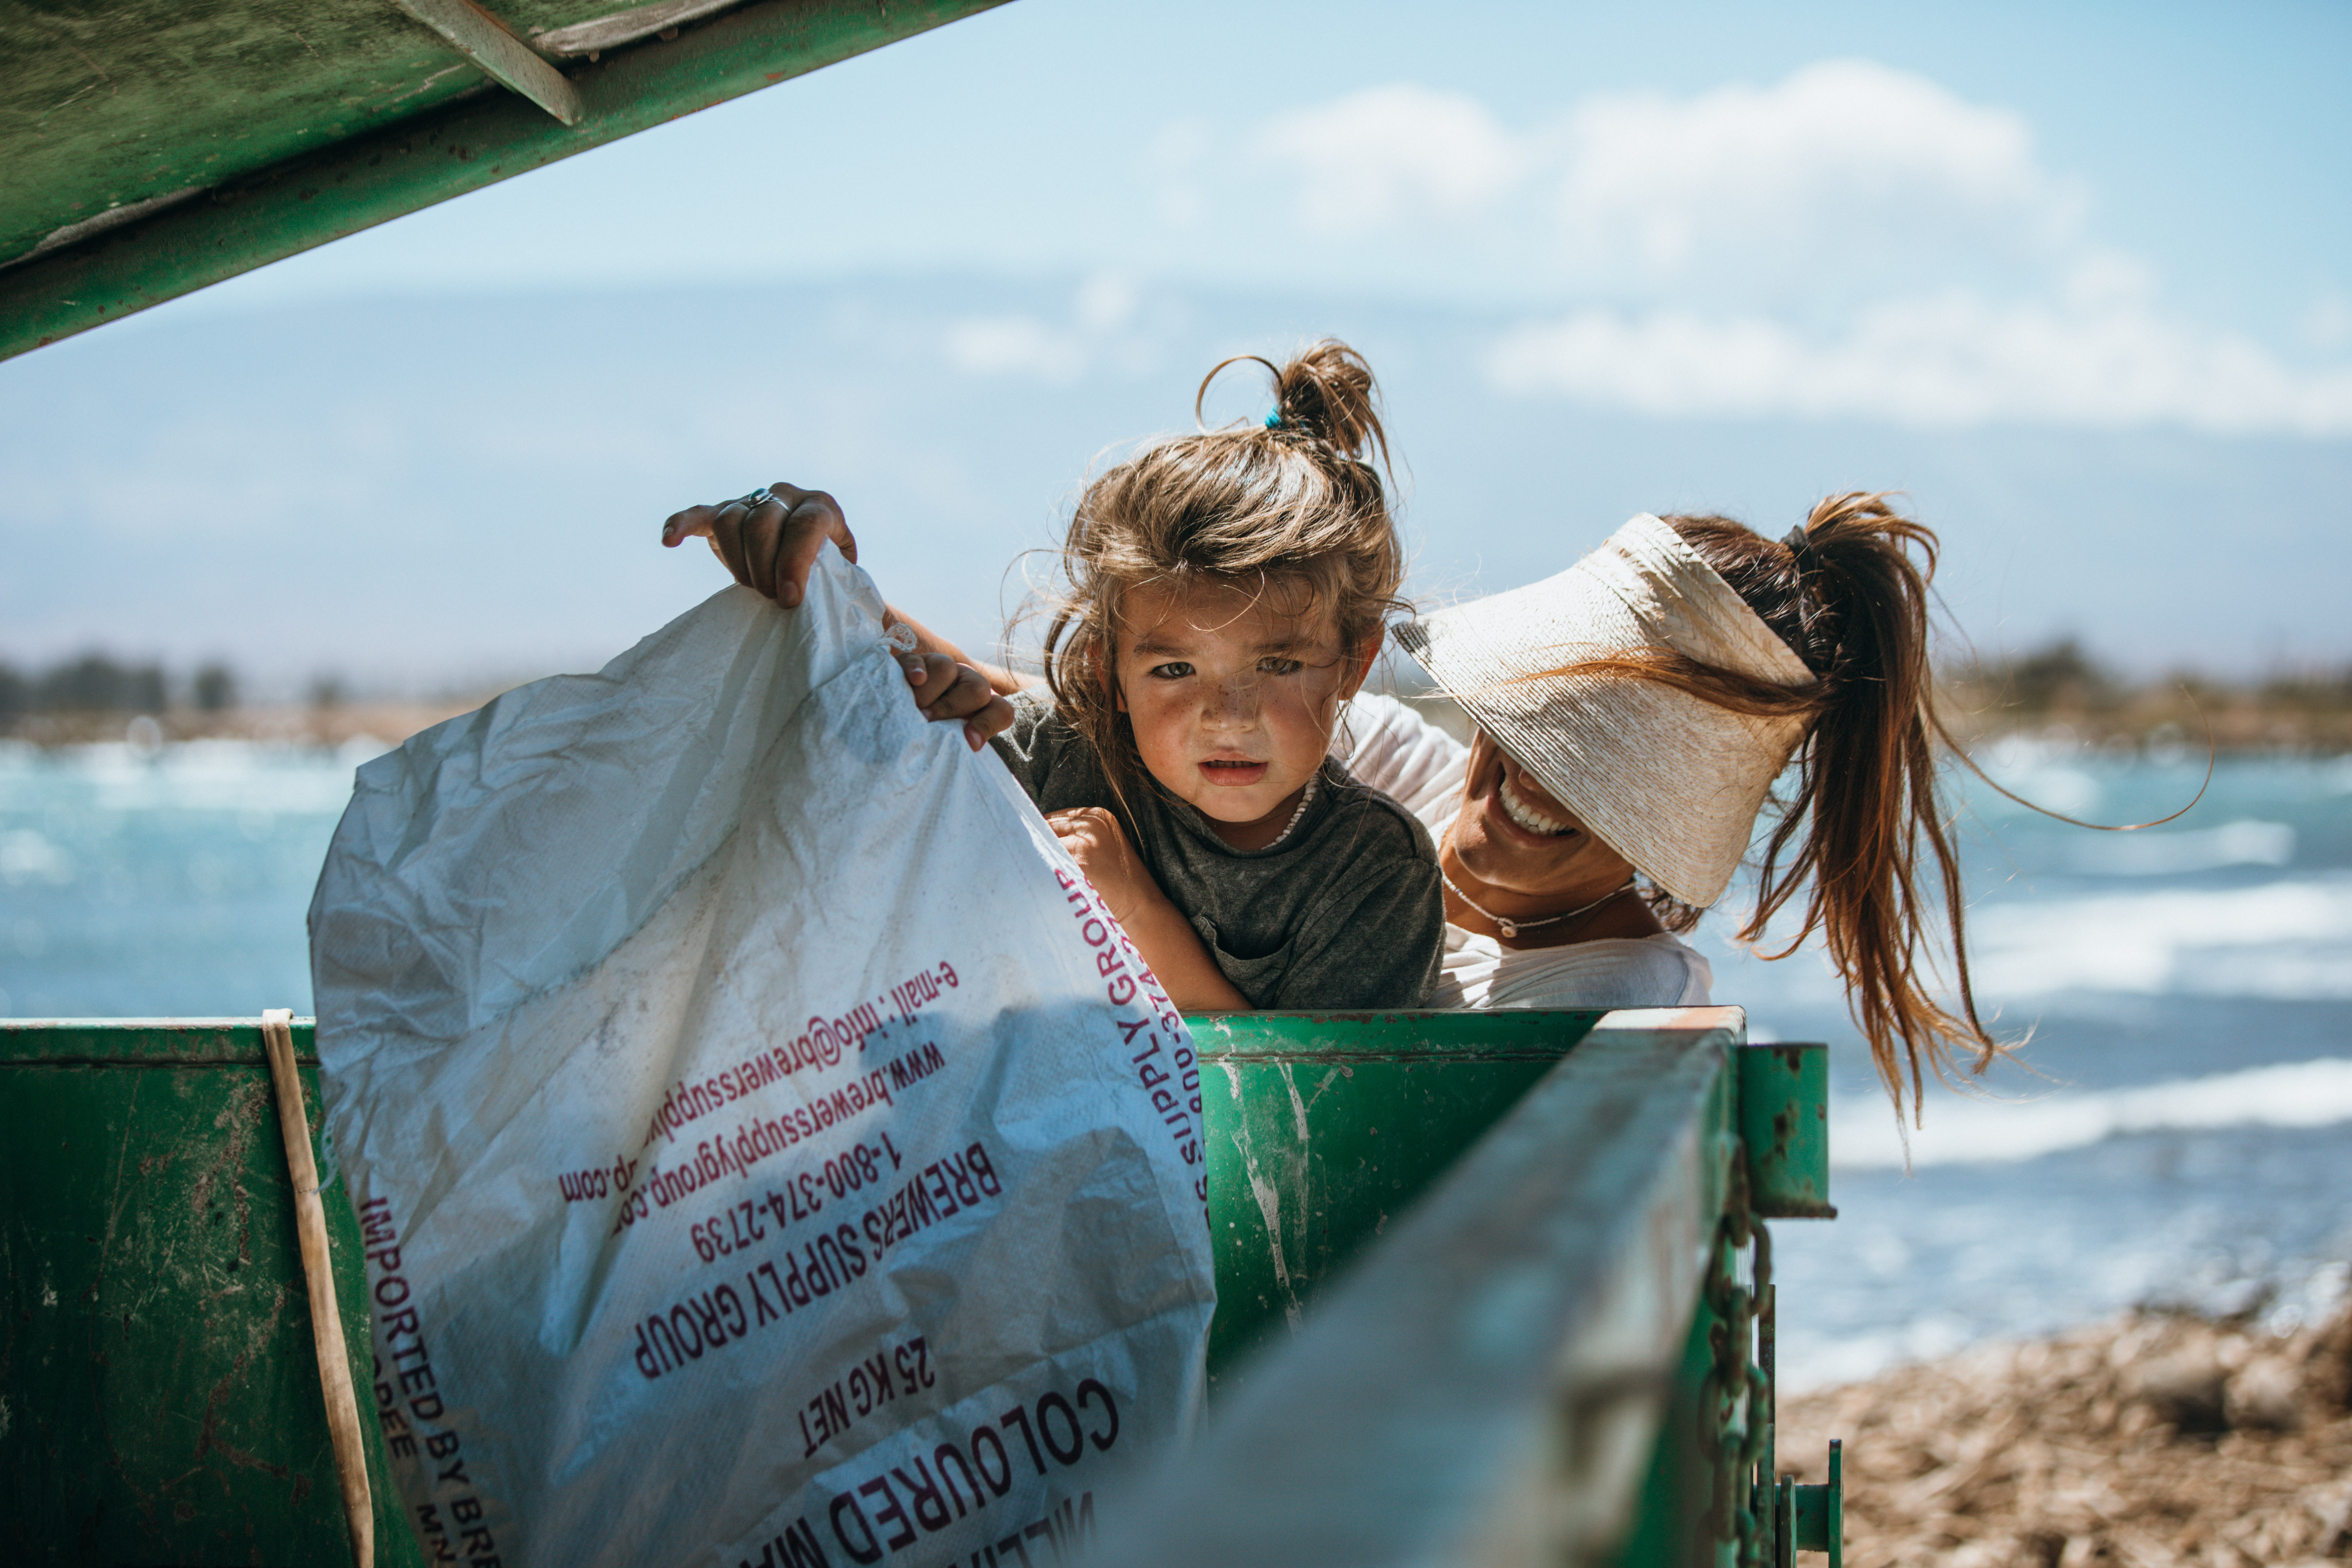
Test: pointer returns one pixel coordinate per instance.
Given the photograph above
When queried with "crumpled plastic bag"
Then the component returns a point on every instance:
(767, 1149)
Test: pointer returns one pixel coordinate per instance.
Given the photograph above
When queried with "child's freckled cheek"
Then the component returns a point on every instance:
(1307, 706)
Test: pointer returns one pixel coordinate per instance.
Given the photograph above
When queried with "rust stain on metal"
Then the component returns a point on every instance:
(238, 1120)
(262, 1334)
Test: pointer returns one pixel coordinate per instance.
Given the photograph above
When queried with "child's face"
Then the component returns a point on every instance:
(1231, 701)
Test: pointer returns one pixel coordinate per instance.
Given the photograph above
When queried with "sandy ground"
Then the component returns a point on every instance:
(2150, 1442)
(2238, 724)
(390, 722)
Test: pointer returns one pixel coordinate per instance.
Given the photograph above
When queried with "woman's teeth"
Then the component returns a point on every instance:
(1516, 807)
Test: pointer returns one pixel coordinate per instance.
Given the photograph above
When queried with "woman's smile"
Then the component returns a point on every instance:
(1524, 813)
(1516, 854)
(1515, 811)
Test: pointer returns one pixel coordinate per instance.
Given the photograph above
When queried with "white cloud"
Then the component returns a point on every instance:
(1844, 168)
(1016, 345)
(1107, 301)
(1941, 362)
(1028, 347)
(1850, 242)
(1392, 154)
(2328, 323)
(1842, 154)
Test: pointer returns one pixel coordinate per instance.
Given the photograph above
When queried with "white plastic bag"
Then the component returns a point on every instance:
(766, 1148)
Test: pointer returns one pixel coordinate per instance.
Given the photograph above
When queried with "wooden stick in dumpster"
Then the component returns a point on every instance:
(326, 1322)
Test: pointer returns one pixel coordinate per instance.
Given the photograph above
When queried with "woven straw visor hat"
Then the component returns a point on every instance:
(1668, 780)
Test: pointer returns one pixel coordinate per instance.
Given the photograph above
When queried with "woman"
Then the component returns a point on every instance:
(1632, 716)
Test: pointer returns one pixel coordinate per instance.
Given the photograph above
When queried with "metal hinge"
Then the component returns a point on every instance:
(1810, 1518)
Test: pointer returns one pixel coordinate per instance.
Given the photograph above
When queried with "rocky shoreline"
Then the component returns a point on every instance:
(2155, 1441)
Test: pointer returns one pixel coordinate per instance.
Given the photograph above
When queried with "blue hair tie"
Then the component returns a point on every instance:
(1274, 417)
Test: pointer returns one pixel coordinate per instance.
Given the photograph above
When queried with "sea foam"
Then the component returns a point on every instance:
(1864, 1133)
(2244, 843)
(2284, 941)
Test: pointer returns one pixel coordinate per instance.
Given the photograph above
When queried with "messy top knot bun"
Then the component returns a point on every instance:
(1288, 505)
(1325, 393)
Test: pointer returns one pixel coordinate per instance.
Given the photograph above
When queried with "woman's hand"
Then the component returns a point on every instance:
(1161, 933)
(769, 547)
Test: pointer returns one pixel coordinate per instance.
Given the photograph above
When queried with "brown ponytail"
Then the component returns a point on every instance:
(1289, 505)
(1864, 830)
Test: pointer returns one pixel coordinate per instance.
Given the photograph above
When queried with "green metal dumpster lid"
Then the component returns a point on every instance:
(156, 146)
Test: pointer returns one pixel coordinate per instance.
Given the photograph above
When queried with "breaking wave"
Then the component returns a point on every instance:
(2284, 941)
(1863, 1134)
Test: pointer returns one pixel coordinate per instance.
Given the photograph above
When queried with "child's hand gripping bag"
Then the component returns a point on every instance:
(766, 1149)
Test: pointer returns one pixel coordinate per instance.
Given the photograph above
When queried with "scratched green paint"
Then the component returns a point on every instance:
(106, 105)
(1784, 1118)
(162, 1392)
(1321, 1128)
(297, 124)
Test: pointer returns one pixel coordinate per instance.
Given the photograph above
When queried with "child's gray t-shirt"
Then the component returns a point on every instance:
(1345, 914)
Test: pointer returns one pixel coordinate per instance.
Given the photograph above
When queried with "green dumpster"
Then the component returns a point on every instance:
(162, 1403)
(159, 1399)
(1322, 1127)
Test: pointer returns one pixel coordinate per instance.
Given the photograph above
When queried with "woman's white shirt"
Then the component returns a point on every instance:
(1394, 748)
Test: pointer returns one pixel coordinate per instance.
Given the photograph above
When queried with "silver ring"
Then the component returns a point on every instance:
(757, 499)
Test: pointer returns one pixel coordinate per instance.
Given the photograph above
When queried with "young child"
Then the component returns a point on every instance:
(1222, 594)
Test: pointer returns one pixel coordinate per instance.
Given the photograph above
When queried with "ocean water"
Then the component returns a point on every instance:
(2177, 1128)
(2174, 1128)
(163, 881)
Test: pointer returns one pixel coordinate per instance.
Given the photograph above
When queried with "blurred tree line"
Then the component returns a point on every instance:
(2062, 683)
(96, 684)
(2059, 684)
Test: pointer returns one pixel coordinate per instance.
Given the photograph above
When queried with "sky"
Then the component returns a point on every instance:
(2079, 281)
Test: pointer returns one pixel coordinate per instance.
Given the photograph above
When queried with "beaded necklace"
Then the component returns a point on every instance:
(1511, 928)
